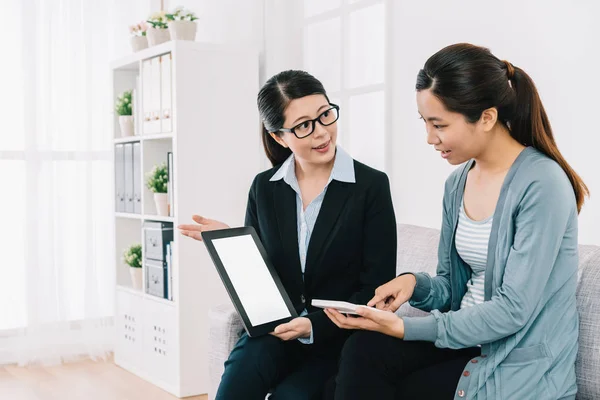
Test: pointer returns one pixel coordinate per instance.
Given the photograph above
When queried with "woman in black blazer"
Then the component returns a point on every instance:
(328, 225)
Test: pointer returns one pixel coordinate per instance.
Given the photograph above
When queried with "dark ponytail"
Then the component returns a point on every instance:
(469, 79)
(272, 101)
(275, 152)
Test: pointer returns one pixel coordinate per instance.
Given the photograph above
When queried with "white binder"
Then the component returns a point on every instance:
(119, 179)
(147, 96)
(128, 165)
(137, 178)
(155, 94)
(166, 97)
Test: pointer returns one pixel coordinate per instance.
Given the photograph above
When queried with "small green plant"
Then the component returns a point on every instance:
(181, 14)
(157, 179)
(133, 256)
(158, 20)
(123, 105)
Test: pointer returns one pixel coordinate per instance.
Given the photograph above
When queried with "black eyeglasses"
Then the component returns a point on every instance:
(306, 128)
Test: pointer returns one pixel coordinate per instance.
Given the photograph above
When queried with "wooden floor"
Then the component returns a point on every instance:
(89, 380)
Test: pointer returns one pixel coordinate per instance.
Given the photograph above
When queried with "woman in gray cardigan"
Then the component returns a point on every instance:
(503, 322)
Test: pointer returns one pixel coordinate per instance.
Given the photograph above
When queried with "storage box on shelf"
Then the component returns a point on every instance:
(198, 102)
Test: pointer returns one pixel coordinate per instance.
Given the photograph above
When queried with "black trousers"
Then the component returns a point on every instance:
(294, 371)
(376, 366)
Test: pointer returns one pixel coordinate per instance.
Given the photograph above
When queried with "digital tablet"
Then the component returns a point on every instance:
(250, 279)
(342, 306)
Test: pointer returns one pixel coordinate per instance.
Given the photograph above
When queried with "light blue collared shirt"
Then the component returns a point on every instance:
(343, 171)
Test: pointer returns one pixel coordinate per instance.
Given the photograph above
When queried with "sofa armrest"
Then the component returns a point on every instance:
(225, 328)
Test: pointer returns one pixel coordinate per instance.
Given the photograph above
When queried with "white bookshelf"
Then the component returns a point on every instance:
(216, 154)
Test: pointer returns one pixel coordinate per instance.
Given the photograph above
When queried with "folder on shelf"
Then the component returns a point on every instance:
(147, 96)
(119, 178)
(137, 178)
(169, 275)
(128, 166)
(172, 258)
(138, 116)
(166, 107)
(134, 110)
(170, 186)
(151, 94)
(155, 93)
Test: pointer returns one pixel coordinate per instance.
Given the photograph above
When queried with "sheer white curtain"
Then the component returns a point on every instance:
(56, 243)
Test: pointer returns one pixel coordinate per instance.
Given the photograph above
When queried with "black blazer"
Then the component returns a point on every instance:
(352, 249)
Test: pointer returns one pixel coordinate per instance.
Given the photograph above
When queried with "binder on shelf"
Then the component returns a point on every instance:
(166, 98)
(134, 110)
(170, 185)
(128, 166)
(171, 272)
(169, 275)
(119, 178)
(147, 96)
(155, 93)
(151, 93)
(138, 116)
(137, 178)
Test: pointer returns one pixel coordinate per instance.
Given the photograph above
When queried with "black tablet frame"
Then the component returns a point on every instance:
(257, 330)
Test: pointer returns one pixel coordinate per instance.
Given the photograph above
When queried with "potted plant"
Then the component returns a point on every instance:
(139, 41)
(123, 108)
(158, 33)
(182, 25)
(133, 257)
(157, 180)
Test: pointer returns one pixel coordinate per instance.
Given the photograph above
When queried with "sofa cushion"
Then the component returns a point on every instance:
(417, 252)
(417, 249)
(224, 331)
(587, 366)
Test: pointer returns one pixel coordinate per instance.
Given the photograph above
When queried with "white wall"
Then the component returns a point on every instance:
(224, 21)
(124, 14)
(556, 42)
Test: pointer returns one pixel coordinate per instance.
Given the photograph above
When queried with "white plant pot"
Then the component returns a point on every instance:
(162, 204)
(139, 43)
(157, 36)
(136, 278)
(126, 124)
(182, 30)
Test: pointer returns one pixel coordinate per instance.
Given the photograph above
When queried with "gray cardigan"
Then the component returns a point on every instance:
(528, 324)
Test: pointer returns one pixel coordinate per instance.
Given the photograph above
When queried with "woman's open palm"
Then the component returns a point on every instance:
(203, 225)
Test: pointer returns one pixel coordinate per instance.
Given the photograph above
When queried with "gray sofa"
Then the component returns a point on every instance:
(417, 251)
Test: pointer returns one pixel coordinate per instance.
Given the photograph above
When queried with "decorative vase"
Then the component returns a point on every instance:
(126, 124)
(157, 36)
(182, 30)
(136, 277)
(139, 43)
(162, 204)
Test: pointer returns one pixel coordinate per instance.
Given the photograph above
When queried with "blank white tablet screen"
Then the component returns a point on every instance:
(251, 279)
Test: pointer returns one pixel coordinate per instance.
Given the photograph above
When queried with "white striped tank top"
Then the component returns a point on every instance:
(472, 239)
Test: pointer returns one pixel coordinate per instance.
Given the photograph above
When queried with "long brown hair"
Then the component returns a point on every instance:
(469, 79)
(272, 100)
